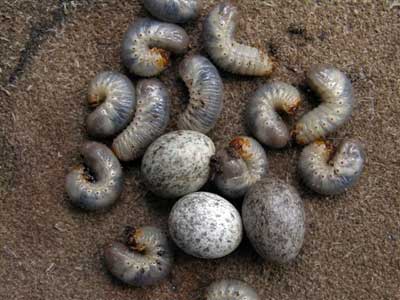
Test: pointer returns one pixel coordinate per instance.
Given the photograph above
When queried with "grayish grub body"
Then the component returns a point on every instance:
(205, 225)
(177, 163)
(114, 96)
(231, 289)
(220, 44)
(146, 46)
(206, 94)
(145, 259)
(336, 93)
(239, 166)
(274, 220)
(173, 11)
(101, 190)
(150, 121)
(262, 115)
(327, 175)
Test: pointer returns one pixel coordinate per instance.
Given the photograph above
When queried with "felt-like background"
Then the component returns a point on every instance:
(49, 52)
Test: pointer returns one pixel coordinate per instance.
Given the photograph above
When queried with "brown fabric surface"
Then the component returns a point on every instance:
(49, 250)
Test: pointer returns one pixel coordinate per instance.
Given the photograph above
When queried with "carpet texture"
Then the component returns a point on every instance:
(50, 50)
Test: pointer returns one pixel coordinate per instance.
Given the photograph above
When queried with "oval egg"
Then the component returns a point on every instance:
(274, 220)
(205, 225)
(177, 163)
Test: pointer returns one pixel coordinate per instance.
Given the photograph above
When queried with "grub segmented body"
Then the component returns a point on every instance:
(113, 95)
(239, 166)
(145, 259)
(336, 94)
(228, 54)
(150, 121)
(329, 175)
(206, 94)
(231, 289)
(103, 188)
(173, 11)
(262, 116)
(147, 43)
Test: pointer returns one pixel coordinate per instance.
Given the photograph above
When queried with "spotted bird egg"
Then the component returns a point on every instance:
(177, 163)
(274, 220)
(205, 225)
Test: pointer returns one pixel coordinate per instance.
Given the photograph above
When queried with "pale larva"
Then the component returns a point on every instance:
(173, 11)
(150, 121)
(115, 94)
(206, 94)
(220, 44)
(336, 93)
(100, 189)
(231, 289)
(145, 259)
(331, 175)
(146, 44)
(262, 115)
(239, 166)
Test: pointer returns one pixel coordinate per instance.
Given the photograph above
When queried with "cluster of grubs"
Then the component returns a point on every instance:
(179, 163)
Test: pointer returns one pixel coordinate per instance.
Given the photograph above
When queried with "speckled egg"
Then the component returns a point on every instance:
(177, 163)
(273, 218)
(205, 225)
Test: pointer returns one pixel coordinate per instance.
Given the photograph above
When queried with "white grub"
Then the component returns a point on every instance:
(206, 94)
(144, 259)
(331, 172)
(103, 187)
(238, 166)
(231, 289)
(173, 11)
(113, 95)
(150, 121)
(262, 116)
(336, 94)
(147, 43)
(228, 54)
